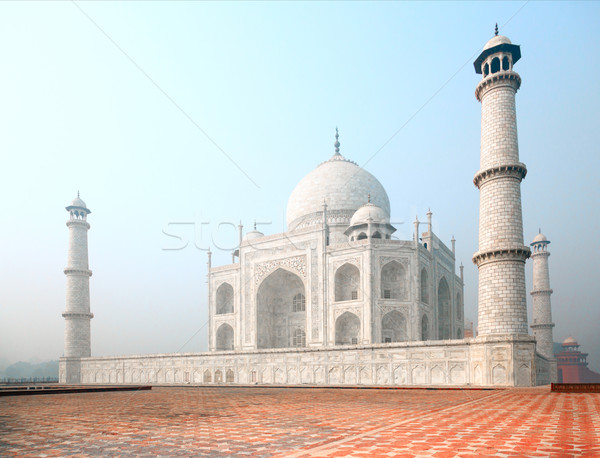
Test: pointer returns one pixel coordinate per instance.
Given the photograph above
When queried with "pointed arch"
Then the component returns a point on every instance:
(347, 329)
(424, 328)
(424, 286)
(225, 337)
(224, 299)
(443, 309)
(281, 309)
(495, 65)
(393, 281)
(393, 327)
(347, 283)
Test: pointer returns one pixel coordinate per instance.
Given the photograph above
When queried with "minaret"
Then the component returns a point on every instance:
(502, 254)
(542, 310)
(77, 314)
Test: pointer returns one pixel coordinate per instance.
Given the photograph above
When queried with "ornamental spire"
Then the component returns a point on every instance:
(337, 142)
(496, 30)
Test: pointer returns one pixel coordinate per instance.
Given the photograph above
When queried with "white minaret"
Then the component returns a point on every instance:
(542, 309)
(77, 314)
(502, 254)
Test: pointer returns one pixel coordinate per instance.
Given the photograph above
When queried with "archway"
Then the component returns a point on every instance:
(424, 328)
(424, 286)
(393, 327)
(444, 310)
(393, 281)
(224, 337)
(224, 299)
(281, 309)
(347, 329)
(347, 283)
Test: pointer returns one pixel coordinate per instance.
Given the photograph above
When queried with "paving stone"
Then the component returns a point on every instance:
(302, 422)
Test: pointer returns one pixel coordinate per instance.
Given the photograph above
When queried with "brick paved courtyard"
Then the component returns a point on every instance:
(303, 422)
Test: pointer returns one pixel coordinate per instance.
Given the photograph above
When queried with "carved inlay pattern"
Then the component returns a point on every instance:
(354, 261)
(341, 310)
(295, 263)
(383, 260)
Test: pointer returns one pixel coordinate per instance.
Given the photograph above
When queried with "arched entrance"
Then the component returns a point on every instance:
(224, 337)
(347, 329)
(425, 328)
(393, 281)
(444, 310)
(224, 299)
(281, 309)
(393, 327)
(347, 283)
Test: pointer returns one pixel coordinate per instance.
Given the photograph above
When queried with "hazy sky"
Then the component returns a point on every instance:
(121, 101)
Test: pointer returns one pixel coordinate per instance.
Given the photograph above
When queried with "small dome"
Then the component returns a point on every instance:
(540, 238)
(569, 341)
(497, 40)
(77, 202)
(376, 214)
(252, 235)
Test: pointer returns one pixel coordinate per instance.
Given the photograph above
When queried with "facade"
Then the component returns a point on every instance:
(336, 299)
(337, 277)
(572, 364)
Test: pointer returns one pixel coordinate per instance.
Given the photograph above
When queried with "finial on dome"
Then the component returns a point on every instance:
(337, 142)
(369, 198)
(496, 30)
(78, 194)
(254, 224)
(539, 230)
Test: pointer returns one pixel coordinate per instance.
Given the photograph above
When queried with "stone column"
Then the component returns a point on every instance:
(77, 312)
(542, 310)
(501, 256)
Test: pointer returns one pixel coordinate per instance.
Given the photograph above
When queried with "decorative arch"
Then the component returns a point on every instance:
(424, 328)
(225, 337)
(424, 286)
(495, 65)
(393, 327)
(224, 299)
(459, 308)
(229, 376)
(347, 329)
(207, 378)
(361, 236)
(376, 235)
(393, 281)
(279, 309)
(443, 308)
(347, 283)
(505, 63)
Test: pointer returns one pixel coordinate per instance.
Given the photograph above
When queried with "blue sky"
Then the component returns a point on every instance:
(98, 97)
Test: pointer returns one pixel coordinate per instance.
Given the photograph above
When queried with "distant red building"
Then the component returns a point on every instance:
(572, 364)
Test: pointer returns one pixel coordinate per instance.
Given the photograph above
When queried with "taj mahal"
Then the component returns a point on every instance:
(337, 300)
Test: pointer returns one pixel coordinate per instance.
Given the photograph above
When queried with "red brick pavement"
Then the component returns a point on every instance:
(303, 422)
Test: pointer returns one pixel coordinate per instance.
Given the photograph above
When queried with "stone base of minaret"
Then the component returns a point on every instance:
(503, 360)
(69, 370)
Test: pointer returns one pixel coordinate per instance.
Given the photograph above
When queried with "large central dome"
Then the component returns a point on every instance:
(342, 185)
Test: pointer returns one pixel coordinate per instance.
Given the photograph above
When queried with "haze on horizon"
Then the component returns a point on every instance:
(185, 118)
